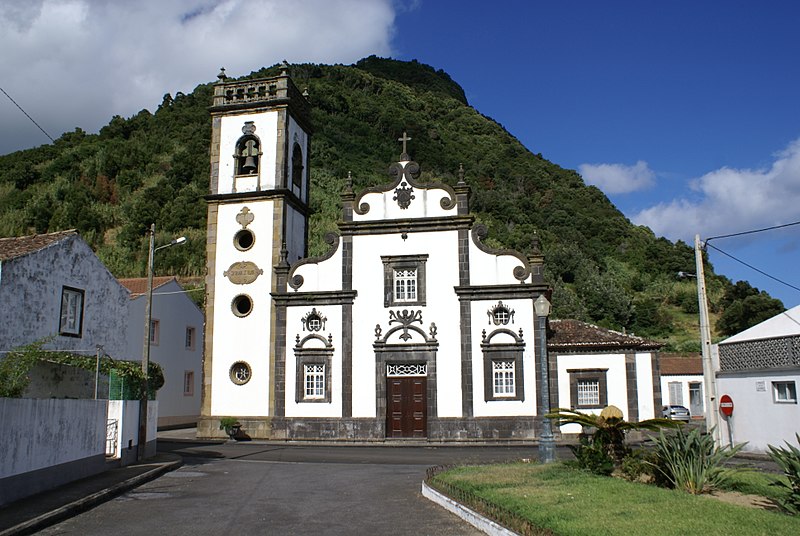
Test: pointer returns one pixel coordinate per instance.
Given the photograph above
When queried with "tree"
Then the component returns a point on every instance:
(745, 306)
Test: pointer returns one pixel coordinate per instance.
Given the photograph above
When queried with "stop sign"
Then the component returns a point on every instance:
(726, 405)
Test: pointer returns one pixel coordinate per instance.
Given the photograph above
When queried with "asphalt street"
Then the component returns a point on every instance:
(254, 488)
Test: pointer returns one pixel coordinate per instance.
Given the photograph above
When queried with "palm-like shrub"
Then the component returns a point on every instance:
(610, 427)
(691, 461)
(789, 460)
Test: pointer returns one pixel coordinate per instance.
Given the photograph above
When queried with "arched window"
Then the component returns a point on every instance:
(297, 166)
(248, 151)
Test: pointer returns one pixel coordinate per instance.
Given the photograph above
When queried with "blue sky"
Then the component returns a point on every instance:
(685, 113)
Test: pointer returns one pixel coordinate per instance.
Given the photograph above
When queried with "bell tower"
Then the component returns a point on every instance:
(257, 217)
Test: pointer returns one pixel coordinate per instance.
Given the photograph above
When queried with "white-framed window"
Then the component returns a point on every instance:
(188, 383)
(314, 380)
(588, 392)
(405, 285)
(71, 322)
(190, 338)
(155, 327)
(784, 392)
(503, 380)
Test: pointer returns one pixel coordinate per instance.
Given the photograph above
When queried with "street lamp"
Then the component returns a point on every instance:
(547, 453)
(148, 319)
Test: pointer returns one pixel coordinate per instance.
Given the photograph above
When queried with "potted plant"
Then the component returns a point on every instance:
(231, 425)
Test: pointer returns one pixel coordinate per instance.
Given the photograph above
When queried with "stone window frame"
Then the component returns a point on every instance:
(239, 157)
(582, 375)
(190, 342)
(503, 352)
(188, 383)
(240, 372)
(392, 263)
(297, 167)
(312, 356)
(501, 371)
(155, 331)
(790, 388)
(70, 322)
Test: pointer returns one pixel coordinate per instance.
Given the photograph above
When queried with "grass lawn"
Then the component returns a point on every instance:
(571, 502)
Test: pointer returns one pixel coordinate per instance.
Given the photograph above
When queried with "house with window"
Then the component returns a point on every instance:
(759, 369)
(593, 367)
(682, 382)
(176, 344)
(54, 286)
(410, 326)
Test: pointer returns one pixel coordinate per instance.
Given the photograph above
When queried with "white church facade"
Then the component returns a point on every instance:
(408, 327)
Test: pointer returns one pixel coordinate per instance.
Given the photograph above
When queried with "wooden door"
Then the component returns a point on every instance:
(406, 407)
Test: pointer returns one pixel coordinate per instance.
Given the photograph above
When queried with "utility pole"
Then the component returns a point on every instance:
(148, 320)
(709, 377)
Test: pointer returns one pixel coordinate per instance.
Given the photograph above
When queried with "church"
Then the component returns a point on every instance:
(410, 326)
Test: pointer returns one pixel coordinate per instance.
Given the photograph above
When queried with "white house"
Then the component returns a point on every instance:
(594, 367)
(409, 326)
(759, 369)
(176, 344)
(682, 382)
(53, 285)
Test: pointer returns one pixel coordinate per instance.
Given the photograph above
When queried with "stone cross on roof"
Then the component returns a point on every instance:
(404, 156)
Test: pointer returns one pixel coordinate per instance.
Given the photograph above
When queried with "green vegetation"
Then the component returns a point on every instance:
(788, 458)
(691, 461)
(16, 365)
(556, 499)
(605, 449)
(154, 167)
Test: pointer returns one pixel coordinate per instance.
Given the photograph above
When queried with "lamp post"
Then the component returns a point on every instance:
(547, 453)
(148, 333)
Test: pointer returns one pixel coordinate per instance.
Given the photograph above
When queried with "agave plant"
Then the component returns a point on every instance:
(611, 428)
(789, 460)
(692, 462)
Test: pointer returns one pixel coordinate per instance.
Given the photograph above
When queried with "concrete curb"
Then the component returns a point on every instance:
(470, 516)
(81, 505)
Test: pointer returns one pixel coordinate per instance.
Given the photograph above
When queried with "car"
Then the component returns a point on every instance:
(676, 413)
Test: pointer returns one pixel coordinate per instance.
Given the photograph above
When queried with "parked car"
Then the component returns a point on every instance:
(676, 413)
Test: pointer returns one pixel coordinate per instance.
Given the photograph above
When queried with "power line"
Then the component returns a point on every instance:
(26, 115)
(753, 267)
(751, 232)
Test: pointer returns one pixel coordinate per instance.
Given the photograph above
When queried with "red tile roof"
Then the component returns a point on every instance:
(138, 285)
(11, 248)
(674, 364)
(572, 335)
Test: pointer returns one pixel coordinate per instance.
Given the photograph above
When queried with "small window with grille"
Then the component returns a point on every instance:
(588, 388)
(503, 378)
(404, 280)
(314, 381)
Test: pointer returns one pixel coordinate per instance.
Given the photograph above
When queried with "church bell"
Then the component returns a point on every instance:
(249, 165)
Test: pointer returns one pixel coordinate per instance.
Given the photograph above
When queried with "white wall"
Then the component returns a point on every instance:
(242, 338)
(757, 418)
(126, 414)
(53, 440)
(30, 297)
(644, 386)
(615, 382)
(175, 311)
(684, 380)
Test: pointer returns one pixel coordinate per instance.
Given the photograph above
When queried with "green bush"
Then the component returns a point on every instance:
(592, 455)
(691, 461)
(637, 466)
(789, 460)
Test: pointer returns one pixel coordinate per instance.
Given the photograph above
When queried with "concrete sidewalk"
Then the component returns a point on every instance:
(31, 514)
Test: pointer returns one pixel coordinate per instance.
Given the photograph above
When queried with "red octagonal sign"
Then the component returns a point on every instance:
(726, 405)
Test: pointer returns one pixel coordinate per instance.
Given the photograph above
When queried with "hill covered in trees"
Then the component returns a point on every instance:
(154, 167)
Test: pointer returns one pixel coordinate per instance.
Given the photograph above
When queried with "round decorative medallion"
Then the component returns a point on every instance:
(240, 373)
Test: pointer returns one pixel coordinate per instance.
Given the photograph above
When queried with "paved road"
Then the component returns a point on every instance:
(276, 489)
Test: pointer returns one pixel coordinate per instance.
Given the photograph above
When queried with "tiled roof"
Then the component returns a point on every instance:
(680, 364)
(138, 285)
(576, 335)
(11, 248)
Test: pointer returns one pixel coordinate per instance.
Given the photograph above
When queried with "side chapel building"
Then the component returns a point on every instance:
(409, 326)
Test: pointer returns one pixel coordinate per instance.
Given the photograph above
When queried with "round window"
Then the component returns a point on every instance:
(244, 240)
(240, 373)
(242, 305)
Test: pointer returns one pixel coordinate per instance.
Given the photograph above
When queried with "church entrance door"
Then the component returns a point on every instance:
(407, 403)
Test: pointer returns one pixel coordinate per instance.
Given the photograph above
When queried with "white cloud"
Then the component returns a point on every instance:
(78, 62)
(618, 178)
(732, 200)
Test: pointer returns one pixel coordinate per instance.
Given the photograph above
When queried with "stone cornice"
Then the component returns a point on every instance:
(500, 292)
(327, 297)
(410, 225)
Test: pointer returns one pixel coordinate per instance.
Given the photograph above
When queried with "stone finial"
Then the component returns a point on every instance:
(222, 76)
(348, 183)
(536, 246)
(284, 68)
(305, 93)
(284, 260)
(461, 175)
